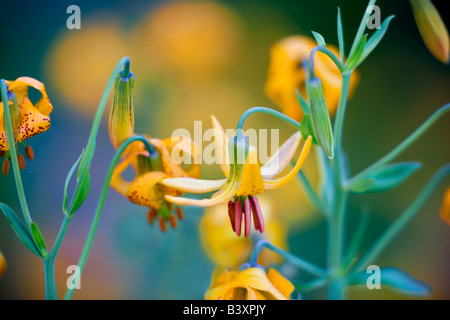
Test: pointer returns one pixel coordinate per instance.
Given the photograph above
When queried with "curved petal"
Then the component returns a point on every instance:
(273, 184)
(221, 142)
(117, 182)
(170, 167)
(193, 185)
(20, 89)
(281, 283)
(187, 146)
(256, 278)
(251, 181)
(282, 157)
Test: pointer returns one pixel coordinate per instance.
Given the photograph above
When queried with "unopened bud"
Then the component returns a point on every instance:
(320, 117)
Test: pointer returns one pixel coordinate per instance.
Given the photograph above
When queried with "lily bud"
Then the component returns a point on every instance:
(320, 117)
(432, 29)
(121, 119)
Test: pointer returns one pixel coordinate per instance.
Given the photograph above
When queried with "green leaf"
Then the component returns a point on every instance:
(340, 30)
(375, 39)
(81, 192)
(319, 39)
(395, 279)
(38, 239)
(304, 105)
(66, 185)
(19, 229)
(361, 185)
(354, 59)
(391, 175)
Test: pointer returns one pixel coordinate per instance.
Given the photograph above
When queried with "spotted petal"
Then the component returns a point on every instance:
(281, 158)
(251, 181)
(273, 184)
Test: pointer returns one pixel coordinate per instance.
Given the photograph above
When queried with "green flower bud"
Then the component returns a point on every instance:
(121, 119)
(320, 117)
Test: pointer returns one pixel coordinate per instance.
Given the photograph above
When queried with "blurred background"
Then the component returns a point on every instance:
(193, 59)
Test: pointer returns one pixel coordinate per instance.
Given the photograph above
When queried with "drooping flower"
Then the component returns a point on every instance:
(249, 284)
(287, 72)
(445, 208)
(146, 188)
(225, 249)
(432, 29)
(245, 178)
(3, 264)
(28, 118)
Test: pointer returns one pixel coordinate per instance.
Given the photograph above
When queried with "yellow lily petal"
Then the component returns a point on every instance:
(221, 143)
(20, 89)
(273, 184)
(251, 180)
(117, 182)
(281, 283)
(256, 278)
(32, 121)
(170, 167)
(193, 185)
(187, 146)
(281, 158)
(145, 192)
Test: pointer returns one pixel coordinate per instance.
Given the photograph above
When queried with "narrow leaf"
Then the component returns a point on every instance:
(395, 279)
(38, 239)
(319, 39)
(340, 30)
(392, 175)
(304, 105)
(361, 185)
(375, 39)
(306, 128)
(19, 229)
(66, 185)
(354, 59)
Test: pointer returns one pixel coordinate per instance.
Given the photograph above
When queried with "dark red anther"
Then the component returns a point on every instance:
(21, 161)
(29, 152)
(257, 214)
(5, 167)
(231, 214)
(162, 224)
(151, 215)
(248, 216)
(172, 221)
(237, 217)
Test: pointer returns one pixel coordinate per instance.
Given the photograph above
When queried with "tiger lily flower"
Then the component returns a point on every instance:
(287, 72)
(245, 178)
(27, 119)
(249, 284)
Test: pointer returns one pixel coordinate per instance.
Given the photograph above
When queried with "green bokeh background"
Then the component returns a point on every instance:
(401, 85)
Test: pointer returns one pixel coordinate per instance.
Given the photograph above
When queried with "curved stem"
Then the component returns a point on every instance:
(402, 220)
(305, 265)
(405, 143)
(312, 195)
(13, 152)
(330, 54)
(93, 230)
(272, 112)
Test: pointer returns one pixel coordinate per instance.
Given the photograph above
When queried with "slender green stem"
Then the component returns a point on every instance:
(272, 112)
(311, 285)
(336, 220)
(13, 153)
(93, 230)
(59, 239)
(405, 144)
(330, 54)
(402, 220)
(50, 283)
(289, 257)
(312, 195)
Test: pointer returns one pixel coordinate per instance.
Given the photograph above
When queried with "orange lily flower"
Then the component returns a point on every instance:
(249, 284)
(28, 119)
(287, 73)
(244, 180)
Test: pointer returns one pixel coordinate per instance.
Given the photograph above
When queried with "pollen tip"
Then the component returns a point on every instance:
(21, 161)
(162, 224)
(151, 215)
(5, 167)
(172, 221)
(180, 214)
(29, 152)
